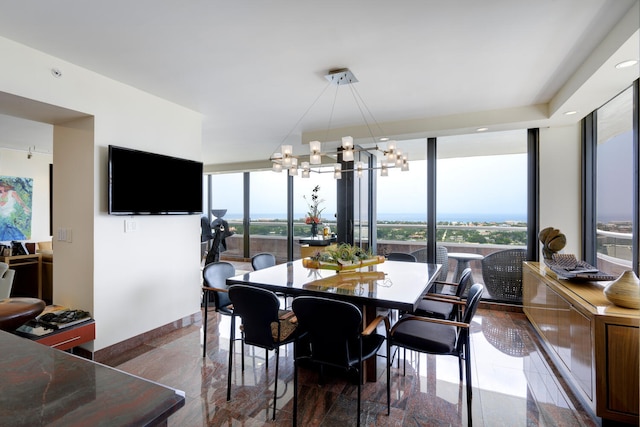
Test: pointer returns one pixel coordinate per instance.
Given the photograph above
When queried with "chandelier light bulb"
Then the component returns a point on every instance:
(293, 169)
(384, 171)
(277, 167)
(347, 155)
(405, 164)
(337, 171)
(287, 152)
(359, 167)
(315, 159)
(391, 151)
(305, 169)
(399, 158)
(315, 150)
(347, 142)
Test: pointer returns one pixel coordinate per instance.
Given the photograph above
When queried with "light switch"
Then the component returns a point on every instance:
(129, 226)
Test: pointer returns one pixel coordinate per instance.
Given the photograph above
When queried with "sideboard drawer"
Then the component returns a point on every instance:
(64, 339)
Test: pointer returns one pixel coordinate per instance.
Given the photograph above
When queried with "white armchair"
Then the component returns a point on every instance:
(6, 280)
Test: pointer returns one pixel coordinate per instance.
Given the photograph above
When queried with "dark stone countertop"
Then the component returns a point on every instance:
(44, 386)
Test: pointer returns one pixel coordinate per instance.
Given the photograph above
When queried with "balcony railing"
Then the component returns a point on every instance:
(614, 251)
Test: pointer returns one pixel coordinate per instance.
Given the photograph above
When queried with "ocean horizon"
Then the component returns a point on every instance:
(403, 217)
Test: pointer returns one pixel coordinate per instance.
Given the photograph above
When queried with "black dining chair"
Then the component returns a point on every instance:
(333, 330)
(264, 325)
(438, 336)
(263, 260)
(266, 260)
(443, 303)
(401, 256)
(215, 289)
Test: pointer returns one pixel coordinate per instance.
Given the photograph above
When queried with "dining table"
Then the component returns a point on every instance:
(395, 285)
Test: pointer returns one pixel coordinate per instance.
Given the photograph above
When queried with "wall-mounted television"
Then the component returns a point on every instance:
(143, 183)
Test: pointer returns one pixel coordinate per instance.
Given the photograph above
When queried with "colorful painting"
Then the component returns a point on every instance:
(16, 195)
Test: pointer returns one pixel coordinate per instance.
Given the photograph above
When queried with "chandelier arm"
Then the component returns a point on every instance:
(357, 95)
(333, 107)
(373, 168)
(360, 103)
(303, 115)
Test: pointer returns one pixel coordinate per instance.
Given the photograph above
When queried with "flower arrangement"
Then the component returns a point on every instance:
(313, 215)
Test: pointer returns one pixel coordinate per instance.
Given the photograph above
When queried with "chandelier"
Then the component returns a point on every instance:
(391, 156)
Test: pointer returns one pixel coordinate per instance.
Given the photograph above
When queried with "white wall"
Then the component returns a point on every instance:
(131, 282)
(15, 163)
(560, 184)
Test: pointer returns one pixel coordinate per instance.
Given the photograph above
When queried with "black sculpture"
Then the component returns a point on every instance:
(220, 230)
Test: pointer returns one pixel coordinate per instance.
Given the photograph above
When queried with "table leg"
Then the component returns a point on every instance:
(371, 364)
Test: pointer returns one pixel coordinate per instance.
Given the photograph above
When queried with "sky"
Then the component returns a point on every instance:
(614, 179)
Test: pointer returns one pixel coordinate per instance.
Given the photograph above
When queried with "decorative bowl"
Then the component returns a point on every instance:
(624, 291)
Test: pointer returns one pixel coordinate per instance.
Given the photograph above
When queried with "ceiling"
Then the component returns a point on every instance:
(425, 67)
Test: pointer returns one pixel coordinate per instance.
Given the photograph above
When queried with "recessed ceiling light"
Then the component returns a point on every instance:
(570, 113)
(383, 139)
(627, 64)
(482, 129)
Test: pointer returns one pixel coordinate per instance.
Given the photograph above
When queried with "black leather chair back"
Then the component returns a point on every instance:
(214, 275)
(258, 308)
(263, 260)
(401, 256)
(333, 329)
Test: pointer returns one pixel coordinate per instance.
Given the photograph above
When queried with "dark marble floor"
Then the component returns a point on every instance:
(512, 383)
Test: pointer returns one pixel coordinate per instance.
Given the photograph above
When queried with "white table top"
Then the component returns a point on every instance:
(465, 256)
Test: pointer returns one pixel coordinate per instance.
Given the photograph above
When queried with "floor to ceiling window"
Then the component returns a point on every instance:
(402, 203)
(614, 184)
(268, 213)
(481, 198)
(480, 208)
(323, 179)
(226, 194)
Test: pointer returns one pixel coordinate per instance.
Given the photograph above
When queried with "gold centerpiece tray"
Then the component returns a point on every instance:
(342, 266)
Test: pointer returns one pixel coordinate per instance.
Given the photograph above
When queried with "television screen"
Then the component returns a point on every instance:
(142, 183)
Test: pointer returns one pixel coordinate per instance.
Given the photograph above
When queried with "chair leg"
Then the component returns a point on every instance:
(275, 384)
(295, 391)
(467, 361)
(389, 363)
(204, 333)
(404, 362)
(467, 358)
(266, 358)
(360, 380)
(232, 336)
(242, 349)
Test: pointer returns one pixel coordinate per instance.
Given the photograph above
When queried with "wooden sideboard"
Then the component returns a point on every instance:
(23, 285)
(595, 343)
